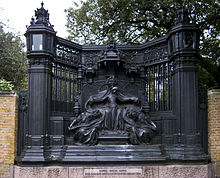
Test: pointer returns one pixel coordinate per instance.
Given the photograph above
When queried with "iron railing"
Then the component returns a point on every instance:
(64, 78)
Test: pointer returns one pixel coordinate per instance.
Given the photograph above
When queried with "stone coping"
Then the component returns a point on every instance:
(213, 91)
(8, 93)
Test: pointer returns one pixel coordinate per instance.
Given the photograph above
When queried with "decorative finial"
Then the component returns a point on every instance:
(111, 43)
(111, 37)
(182, 15)
(32, 21)
(42, 15)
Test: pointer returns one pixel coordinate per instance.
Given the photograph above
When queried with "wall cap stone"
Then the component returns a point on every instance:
(8, 93)
(214, 91)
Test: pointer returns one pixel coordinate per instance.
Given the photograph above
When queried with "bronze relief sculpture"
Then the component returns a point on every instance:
(111, 112)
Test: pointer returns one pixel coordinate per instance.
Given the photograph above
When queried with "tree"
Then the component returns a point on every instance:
(138, 21)
(131, 21)
(5, 85)
(13, 61)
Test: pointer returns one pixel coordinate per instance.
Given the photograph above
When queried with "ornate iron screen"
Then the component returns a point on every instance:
(64, 78)
(158, 71)
(158, 78)
(111, 103)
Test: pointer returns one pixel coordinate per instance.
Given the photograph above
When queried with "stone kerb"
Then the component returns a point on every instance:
(214, 128)
(8, 131)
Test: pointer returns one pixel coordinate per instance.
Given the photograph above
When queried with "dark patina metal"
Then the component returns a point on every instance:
(111, 115)
(111, 103)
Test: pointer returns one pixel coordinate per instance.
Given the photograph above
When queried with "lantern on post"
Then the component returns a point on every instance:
(184, 35)
(40, 34)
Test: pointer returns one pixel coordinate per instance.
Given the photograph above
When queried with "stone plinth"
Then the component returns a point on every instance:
(168, 171)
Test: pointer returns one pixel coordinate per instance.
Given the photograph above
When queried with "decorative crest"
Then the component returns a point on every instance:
(111, 53)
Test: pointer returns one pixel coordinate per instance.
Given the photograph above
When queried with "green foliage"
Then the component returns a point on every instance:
(131, 21)
(13, 62)
(135, 21)
(138, 21)
(210, 63)
(5, 85)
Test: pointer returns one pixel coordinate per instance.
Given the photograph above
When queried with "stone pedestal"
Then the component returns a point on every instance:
(168, 171)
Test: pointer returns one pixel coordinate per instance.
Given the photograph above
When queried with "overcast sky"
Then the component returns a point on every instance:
(17, 14)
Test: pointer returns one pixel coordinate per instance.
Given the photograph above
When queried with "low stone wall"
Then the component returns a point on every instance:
(168, 171)
(214, 128)
(8, 131)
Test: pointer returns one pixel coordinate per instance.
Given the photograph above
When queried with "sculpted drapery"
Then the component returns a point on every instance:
(111, 110)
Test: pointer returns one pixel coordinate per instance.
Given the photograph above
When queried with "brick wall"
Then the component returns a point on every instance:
(214, 128)
(8, 131)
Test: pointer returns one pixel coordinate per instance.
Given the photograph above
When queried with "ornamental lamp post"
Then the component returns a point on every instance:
(41, 47)
(183, 40)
